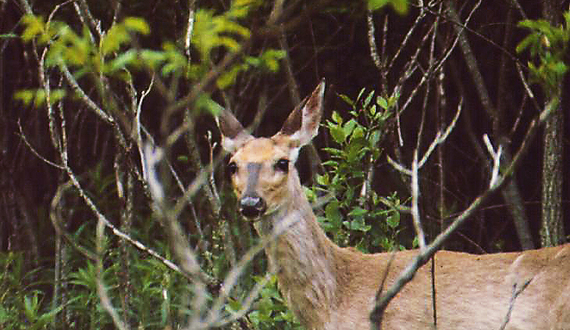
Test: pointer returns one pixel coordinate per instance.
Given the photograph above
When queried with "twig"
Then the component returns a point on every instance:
(56, 221)
(101, 290)
(82, 9)
(398, 167)
(34, 151)
(516, 292)
(190, 28)
(372, 41)
(415, 202)
(496, 155)
(83, 96)
(440, 138)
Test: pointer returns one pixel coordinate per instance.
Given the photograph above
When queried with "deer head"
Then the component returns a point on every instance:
(262, 169)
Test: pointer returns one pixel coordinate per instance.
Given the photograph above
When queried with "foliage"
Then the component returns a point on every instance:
(548, 46)
(270, 311)
(400, 6)
(355, 211)
(23, 302)
(118, 53)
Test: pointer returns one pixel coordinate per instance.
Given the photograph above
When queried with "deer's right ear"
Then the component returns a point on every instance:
(233, 134)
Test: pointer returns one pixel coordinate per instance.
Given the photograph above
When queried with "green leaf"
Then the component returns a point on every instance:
(242, 8)
(137, 24)
(152, 58)
(336, 117)
(374, 5)
(31, 307)
(357, 133)
(400, 6)
(346, 99)
(382, 102)
(114, 39)
(25, 95)
(358, 212)
(205, 102)
(527, 42)
(393, 220)
(366, 102)
(35, 26)
(338, 134)
(211, 31)
(357, 224)
(349, 126)
(56, 95)
(560, 68)
(228, 78)
(123, 60)
(332, 213)
(270, 59)
(323, 180)
(332, 163)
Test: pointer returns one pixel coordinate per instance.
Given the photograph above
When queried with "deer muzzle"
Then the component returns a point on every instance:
(252, 206)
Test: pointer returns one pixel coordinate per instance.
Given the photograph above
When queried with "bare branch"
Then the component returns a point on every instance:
(101, 290)
(440, 138)
(190, 28)
(372, 41)
(415, 202)
(34, 151)
(496, 155)
(516, 292)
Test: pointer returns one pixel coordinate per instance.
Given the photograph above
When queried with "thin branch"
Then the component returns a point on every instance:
(190, 28)
(34, 151)
(372, 41)
(405, 41)
(527, 87)
(398, 167)
(415, 202)
(440, 138)
(516, 292)
(496, 155)
(101, 290)
(82, 9)
(55, 218)
(83, 96)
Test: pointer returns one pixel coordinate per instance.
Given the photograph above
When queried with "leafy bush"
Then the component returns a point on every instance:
(356, 214)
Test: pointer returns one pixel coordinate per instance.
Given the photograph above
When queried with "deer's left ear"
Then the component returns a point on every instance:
(233, 134)
(302, 125)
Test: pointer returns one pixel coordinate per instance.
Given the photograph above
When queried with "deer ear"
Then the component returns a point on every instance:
(233, 134)
(302, 125)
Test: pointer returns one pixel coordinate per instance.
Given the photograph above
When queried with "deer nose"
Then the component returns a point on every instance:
(252, 206)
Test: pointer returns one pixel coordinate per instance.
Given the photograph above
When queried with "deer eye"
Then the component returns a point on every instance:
(282, 165)
(232, 168)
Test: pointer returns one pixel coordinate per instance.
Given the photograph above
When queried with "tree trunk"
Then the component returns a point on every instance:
(552, 229)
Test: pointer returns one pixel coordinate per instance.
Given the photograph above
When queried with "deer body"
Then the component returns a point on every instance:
(329, 287)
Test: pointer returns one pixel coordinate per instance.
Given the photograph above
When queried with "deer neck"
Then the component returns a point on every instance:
(302, 256)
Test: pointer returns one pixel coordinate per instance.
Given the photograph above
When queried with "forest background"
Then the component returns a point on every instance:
(115, 211)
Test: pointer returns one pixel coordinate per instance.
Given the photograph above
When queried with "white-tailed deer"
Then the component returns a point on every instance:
(329, 287)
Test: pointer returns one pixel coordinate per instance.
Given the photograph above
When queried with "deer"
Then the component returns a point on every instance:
(328, 287)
